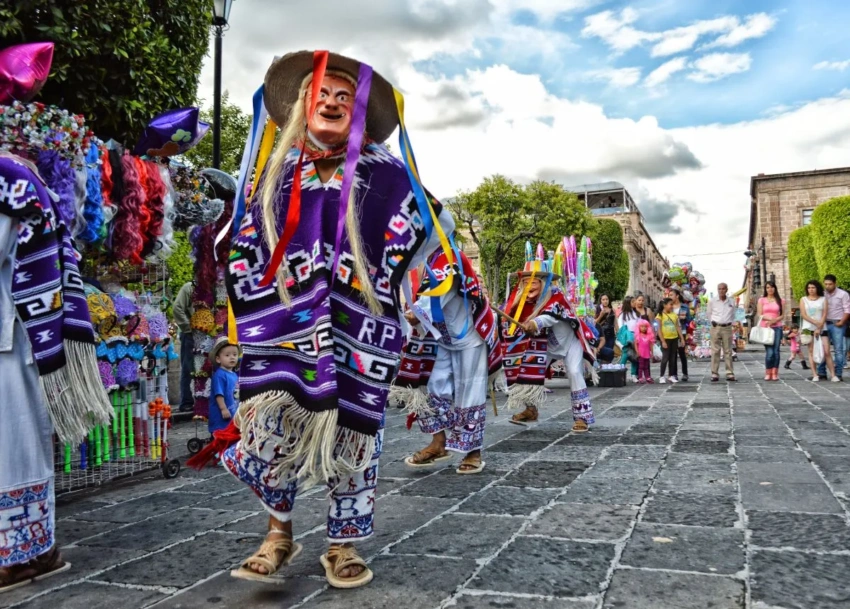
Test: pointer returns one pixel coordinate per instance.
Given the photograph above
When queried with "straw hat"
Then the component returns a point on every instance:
(220, 343)
(283, 84)
(539, 268)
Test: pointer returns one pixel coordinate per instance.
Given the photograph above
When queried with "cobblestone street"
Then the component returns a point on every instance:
(683, 496)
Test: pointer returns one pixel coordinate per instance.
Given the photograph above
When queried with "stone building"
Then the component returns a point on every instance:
(780, 204)
(612, 200)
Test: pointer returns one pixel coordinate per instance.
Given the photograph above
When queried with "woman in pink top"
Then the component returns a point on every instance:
(770, 312)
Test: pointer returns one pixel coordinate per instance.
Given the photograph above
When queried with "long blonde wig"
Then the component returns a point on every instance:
(296, 130)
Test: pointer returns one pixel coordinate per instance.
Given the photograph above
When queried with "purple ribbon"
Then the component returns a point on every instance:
(352, 155)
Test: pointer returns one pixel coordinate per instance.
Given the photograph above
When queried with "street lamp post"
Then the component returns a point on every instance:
(221, 15)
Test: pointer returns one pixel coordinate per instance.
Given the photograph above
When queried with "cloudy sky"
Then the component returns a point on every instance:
(680, 101)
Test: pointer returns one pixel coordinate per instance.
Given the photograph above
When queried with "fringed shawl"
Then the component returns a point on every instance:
(51, 303)
(421, 350)
(526, 358)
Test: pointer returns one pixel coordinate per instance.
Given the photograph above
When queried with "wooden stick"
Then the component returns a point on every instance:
(501, 313)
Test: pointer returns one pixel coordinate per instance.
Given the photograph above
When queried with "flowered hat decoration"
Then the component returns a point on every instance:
(196, 203)
(172, 132)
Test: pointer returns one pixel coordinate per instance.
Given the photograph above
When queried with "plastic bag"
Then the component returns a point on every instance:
(656, 353)
(817, 350)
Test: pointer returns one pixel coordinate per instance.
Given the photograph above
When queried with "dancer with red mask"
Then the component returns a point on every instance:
(548, 329)
(313, 280)
(446, 369)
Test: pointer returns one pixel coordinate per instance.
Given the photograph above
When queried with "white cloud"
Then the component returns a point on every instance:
(684, 38)
(719, 65)
(662, 73)
(813, 136)
(388, 34)
(618, 32)
(755, 26)
(704, 171)
(832, 65)
(545, 9)
(616, 77)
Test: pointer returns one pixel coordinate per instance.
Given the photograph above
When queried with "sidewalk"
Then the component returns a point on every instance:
(682, 497)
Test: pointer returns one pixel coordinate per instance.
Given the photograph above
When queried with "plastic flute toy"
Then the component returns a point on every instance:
(128, 398)
(106, 448)
(68, 458)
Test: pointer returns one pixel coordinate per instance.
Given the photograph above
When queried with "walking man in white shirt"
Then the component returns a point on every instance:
(721, 313)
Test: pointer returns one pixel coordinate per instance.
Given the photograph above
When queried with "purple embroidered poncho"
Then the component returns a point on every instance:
(326, 353)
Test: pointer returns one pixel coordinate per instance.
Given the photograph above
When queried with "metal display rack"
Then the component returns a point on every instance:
(136, 441)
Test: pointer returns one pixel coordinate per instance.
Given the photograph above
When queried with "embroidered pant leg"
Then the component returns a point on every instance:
(440, 395)
(574, 362)
(27, 500)
(470, 400)
(256, 468)
(351, 512)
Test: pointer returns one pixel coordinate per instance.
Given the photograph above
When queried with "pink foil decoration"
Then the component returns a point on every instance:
(23, 70)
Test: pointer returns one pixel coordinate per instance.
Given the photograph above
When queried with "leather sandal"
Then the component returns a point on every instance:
(580, 426)
(339, 558)
(267, 557)
(41, 567)
(427, 457)
(529, 415)
(471, 465)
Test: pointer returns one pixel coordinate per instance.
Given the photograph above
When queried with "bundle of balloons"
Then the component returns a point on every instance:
(573, 259)
(682, 276)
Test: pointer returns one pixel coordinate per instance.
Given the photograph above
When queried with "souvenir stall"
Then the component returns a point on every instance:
(209, 300)
(691, 284)
(123, 207)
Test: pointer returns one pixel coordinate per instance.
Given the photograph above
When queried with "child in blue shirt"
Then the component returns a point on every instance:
(224, 391)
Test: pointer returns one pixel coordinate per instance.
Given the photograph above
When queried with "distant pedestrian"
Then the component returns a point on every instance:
(814, 308)
(721, 313)
(838, 315)
(770, 313)
(606, 321)
(683, 310)
(671, 337)
(182, 317)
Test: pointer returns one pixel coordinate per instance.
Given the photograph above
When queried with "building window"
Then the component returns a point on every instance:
(807, 216)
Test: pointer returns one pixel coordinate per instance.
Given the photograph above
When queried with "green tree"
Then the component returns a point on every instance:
(500, 216)
(181, 268)
(830, 228)
(801, 260)
(118, 62)
(235, 126)
(496, 219)
(610, 260)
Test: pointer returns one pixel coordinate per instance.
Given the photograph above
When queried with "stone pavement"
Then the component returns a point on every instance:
(682, 497)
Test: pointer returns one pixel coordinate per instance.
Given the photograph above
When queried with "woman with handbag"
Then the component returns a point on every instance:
(813, 309)
(770, 316)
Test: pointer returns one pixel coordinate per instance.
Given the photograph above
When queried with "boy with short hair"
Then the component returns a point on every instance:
(224, 389)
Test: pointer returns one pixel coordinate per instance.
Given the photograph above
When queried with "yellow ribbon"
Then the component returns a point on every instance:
(232, 337)
(522, 299)
(266, 147)
(446, 284)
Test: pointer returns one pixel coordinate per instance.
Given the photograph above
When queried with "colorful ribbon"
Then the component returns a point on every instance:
(293, 213)
(352, 155)
(426, 210)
